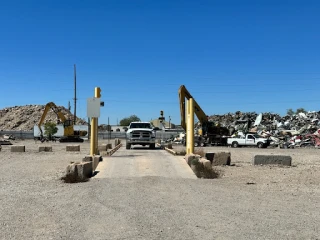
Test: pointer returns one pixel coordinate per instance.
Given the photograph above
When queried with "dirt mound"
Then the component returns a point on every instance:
(25, 117)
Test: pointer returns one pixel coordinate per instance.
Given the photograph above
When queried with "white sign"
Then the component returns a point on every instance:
(93, 107)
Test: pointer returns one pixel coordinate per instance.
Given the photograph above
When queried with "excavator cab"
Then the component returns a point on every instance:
(68, 123)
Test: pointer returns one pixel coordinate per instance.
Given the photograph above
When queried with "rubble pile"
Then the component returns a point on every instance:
(23, 118)
(302, 129)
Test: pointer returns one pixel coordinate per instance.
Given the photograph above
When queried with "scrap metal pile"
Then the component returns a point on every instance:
(298, 130)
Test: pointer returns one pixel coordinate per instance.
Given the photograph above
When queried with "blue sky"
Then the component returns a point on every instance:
(251, 56)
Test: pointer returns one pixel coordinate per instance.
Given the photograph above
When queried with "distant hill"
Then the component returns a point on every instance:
(25, 117)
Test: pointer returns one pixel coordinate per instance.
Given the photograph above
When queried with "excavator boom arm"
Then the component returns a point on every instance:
(183, 95)
(48, 106)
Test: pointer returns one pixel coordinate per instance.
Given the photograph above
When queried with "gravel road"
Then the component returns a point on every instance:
(247, 202)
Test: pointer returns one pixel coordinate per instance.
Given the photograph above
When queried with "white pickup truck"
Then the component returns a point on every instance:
(248, 140)
(141, 133)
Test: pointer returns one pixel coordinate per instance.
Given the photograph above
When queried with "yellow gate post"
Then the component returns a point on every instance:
(190, 126)
(94, 127)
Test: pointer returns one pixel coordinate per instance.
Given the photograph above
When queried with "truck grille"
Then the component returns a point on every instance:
(142, 134)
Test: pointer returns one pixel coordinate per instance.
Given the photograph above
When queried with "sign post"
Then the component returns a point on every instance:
(93, 111)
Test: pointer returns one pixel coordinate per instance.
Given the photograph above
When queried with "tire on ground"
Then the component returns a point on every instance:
(235, 144)
(260, 145)
(152, 146)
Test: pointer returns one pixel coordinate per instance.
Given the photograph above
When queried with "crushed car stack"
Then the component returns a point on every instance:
(296, 130)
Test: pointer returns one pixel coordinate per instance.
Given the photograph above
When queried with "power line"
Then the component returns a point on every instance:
(216, 102)
(229, 92)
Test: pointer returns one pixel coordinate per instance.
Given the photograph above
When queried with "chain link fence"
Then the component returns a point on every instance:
(101, 135)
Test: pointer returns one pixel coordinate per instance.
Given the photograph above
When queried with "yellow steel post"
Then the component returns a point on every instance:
(94, 127)
(190, 126)
(93, 145)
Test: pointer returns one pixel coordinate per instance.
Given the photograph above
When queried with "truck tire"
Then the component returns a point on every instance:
(128, 146)
(235, 144)
(152, 146)
(260, 145)
(196, 144)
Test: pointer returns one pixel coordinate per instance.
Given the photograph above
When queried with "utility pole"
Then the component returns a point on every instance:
(75, 95)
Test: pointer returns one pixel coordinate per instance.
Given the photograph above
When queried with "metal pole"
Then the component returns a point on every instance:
(190, 126)
(93, 136)
(109, 131)
(94, 128)
(75, 95)
(89, 128)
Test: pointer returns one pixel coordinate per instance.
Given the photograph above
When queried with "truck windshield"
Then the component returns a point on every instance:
(140, 125)
(257, 136)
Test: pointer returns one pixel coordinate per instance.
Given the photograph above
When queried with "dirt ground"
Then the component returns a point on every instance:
(303, 176)
(246, 202)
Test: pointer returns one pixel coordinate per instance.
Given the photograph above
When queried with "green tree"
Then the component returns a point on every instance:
(126, 121)
(301, 110)
(50, 129)
(290, 112)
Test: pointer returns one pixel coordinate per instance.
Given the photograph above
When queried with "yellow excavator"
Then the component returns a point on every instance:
(69, 135)
(210, 133)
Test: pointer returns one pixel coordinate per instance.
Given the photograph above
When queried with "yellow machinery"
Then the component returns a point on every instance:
(69, 134)
(210, 133)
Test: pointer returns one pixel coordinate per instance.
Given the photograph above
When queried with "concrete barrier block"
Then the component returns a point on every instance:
(85, 170)
(180, 153)
(109, 146)
(45, 149)
(209, 156)
(192, 158)
(117, 141)
(18, 148)
(206, 163)
(170, 151)
(104, 153)
(167, 145)
(272, 159)
(95, 162)
(221, 158)
(87, 158)
(78, 172)
(73, 148)
(102, 147)
(71, 172)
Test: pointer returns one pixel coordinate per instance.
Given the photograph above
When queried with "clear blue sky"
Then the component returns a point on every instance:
(261, 56)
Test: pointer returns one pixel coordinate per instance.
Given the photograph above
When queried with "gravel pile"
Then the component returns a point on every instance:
(25, 117)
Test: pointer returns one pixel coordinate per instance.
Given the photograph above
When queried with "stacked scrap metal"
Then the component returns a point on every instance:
(302, 129)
